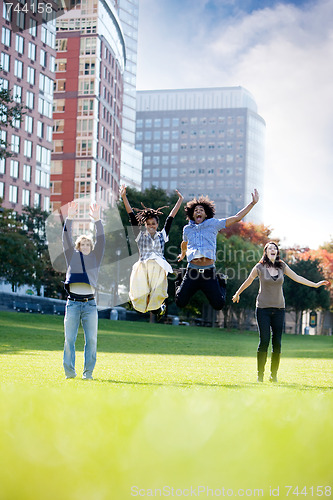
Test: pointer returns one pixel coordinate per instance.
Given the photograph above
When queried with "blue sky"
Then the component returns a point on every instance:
(282, 52)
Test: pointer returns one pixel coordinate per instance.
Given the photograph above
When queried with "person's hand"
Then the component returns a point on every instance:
(255, 197)
(322, 283)
(235, 298)
(179, 194)
(181, 256)
(122, 190)
(94, 211)
(72, 209)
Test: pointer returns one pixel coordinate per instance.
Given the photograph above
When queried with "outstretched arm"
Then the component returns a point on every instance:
(177, 205)
(303, 281)
(253, 274)
(241, 214)
(125, 200)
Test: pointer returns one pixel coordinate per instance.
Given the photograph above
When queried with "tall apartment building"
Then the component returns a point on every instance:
(131, 159)
(203, 141)
(28, 61)
(87, 107)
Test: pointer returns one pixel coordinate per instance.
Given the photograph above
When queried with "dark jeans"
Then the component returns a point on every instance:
(270, 318)
(207, 281)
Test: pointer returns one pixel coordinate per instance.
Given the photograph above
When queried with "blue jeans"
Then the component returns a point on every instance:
(86, 312)
(270, 319)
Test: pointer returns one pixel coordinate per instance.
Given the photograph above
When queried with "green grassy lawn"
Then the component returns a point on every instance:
(172, 411)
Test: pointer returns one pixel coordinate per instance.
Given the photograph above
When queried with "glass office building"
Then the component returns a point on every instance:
(203, 141)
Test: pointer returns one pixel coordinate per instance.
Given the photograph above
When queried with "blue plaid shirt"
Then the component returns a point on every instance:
(202, 237)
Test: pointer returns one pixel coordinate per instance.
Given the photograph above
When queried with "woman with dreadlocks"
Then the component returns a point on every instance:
(148, 281)
(199, 246)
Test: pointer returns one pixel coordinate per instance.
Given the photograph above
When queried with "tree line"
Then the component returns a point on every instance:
(25, 258)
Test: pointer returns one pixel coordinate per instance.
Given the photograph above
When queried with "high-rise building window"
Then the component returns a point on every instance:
(58, 126)
(32, 27)
(6, 36)
(87, 66)
(2, 166)
(13, 191)
(27, 148)
(20, 19)
(17, 93)
(7, 11)
(56, 167)
(32, 51)
(37, 200)
(46, 204)
(2, 190)
(26, 173)
(5, 61)
(60, 65)
(40, 129)
(58, 146)
(29, 124)
(42, 58)
(31, 75)
(61, 44)
(14, 169)
(59, 105)
(3, 138)
(25, 197)
(49, 133)
(15, 145)
(86, 86)
(30, 98)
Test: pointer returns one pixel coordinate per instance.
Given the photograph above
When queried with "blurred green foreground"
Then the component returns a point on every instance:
(173, 412)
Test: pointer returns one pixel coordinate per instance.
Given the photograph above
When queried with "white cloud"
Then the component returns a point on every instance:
(284, 57)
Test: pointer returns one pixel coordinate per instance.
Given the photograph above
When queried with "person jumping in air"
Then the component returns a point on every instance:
(270, 304)
(83, 261)
(148, 281)
(199, 246)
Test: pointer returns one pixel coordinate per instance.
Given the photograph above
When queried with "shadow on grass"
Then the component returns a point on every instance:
(248, 385)
(24, 334)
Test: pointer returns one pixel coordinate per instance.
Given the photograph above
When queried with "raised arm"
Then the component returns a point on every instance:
(177, 206)
(183, 248)
(94, 213)
(303, 281)
(67, 240)
(241, 214)
(253, 274)
(125, 200)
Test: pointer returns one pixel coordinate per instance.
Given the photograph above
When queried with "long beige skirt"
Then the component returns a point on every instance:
(148, 286)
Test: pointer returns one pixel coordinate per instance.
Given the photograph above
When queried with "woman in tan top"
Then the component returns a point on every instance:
(270, 305)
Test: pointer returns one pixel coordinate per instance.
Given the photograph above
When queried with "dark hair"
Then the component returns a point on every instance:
(145, 213)
(266, 261)
(205, 202)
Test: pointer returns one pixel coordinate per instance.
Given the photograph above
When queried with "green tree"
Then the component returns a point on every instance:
(24, 256)
(301, 298)
(17, 252)
(33, 223)
(235, 258)
(10, 110)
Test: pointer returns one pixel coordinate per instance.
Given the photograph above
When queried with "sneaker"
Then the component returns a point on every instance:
(161, 312)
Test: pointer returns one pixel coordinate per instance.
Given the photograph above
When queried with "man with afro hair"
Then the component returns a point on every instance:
(199, 246)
